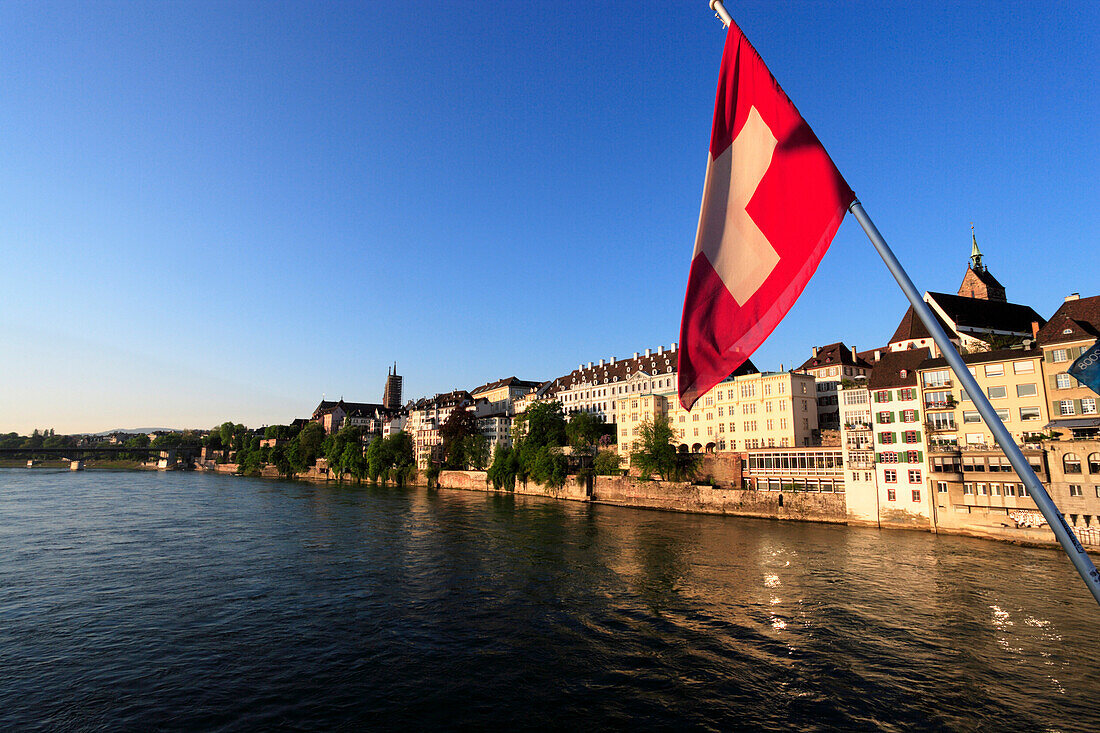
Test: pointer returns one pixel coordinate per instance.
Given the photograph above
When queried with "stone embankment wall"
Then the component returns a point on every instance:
(674, 496)
(686, 497)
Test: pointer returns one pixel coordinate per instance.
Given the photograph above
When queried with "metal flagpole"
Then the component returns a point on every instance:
(1055, 520)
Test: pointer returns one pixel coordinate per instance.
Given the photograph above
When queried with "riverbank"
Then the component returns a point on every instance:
(114, 465)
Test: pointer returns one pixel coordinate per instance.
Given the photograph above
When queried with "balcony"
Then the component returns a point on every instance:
(940, 427)
(857, 426)
(948, 404)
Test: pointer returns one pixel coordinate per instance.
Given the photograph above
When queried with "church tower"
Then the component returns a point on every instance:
(391, 397)
(978, 282)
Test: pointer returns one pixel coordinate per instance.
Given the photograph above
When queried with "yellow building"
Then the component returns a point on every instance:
(764, 410)
(1072, 330)
(1012, 379)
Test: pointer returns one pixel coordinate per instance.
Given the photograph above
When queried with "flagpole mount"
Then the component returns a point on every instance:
(720, 12)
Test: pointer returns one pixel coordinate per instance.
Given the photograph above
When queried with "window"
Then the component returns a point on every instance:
(916, 496)
(908, 415)
(709, 401)
(907, 394)
(782, 423)
(721, 427)
(912, 456)
(968, 489)
(971, 416)
(939, 378)
(995, 489)
(1023, 367)
(937, 399)
(1059, 355)
(695, 431)
(1074, 489)
(1063, 381)
(1026, 390)
(710, 416)
(994, 370)
(1029, 413)
(1010, 489)
(941, 487)
(887, 438)
(882, 395)
(997, 392)
(695, 418)
(683, 418)
(1094, 462)
(982, 490)
(886, 417)
(1088, 406)
(911, 436)
(721, 411)
(963, 396)
(1071, 463)
(891, 495)
(1002, 414)
(890, 476)
(889, 457)
(1065, 407)
(914, 475)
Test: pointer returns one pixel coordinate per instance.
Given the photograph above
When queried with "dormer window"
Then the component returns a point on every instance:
(1067, 331)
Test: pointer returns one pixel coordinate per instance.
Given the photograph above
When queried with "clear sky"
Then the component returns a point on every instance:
(217, 210)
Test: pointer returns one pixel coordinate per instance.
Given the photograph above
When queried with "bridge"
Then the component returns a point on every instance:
(185, 453)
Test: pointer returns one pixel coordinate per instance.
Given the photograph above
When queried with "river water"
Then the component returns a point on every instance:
(137, 601)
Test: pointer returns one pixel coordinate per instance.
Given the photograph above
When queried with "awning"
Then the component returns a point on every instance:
(1074, 423)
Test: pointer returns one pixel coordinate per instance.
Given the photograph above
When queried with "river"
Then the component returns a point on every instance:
(173, 601)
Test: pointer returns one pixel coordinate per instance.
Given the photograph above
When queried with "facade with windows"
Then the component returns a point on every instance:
(760, 410)
(1075, 483)
(900, 441)
(831, 366)
(1073, 329)
(857, 442)
(426, 417)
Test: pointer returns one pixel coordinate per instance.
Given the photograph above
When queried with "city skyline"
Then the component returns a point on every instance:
(222, 213)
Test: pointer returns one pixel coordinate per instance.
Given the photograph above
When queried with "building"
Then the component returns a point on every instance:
(900, 441)
(597, 387)
(758, 410)
(425, 417)
(391, 395)
(494, 407)
(977, 318)
(1012, 379)
(1073, 329)
(369, 417)
(830, 365)
(857, 442)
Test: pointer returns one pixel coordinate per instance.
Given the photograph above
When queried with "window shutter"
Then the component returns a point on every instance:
(894, 438)
(1053, 379)
(1077, 407)
(1048, 357)
(918, 436)
(1055, 409)
(920, 456)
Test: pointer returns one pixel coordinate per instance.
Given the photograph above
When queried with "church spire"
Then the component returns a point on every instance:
(975, 253)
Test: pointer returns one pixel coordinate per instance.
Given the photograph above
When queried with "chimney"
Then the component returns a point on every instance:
(854, 356)
(635, 354)
(648, 352)
(815, 350)
(878, 354)
(601, 362)
(1035, 328)
(589, 365)
(1073, 296)
(660, 350)
(612, 361)
(673, 346)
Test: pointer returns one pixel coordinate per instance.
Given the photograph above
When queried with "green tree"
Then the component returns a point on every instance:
(476, 450)
(655, 452)
(458, 427)
(582, 430)
(542, 424)
(607, 463)
(309, 443)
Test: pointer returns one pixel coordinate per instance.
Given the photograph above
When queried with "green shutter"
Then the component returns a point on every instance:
(1053, 379)
(1048, 357)
(918, 436)
(920, 456)
(1077, 407)
(1055, 409)
(894, 438)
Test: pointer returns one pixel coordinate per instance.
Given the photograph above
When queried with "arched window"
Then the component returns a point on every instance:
(1071, 463)
(1094, 462)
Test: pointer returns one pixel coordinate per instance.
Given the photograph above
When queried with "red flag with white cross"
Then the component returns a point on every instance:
(772, 202)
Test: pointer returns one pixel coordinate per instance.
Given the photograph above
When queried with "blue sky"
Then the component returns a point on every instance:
(219, 210)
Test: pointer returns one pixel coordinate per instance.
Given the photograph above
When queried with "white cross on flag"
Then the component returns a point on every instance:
(772, 202)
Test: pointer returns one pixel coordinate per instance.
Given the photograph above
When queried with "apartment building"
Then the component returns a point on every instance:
(426, 417)
(759, 410)
(1073, 329)
(830, 365)
(900, 440)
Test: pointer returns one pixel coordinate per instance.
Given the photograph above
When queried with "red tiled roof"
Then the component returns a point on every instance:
(1080, 317)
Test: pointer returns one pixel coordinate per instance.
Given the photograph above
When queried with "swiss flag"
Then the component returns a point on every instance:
(772, 202)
